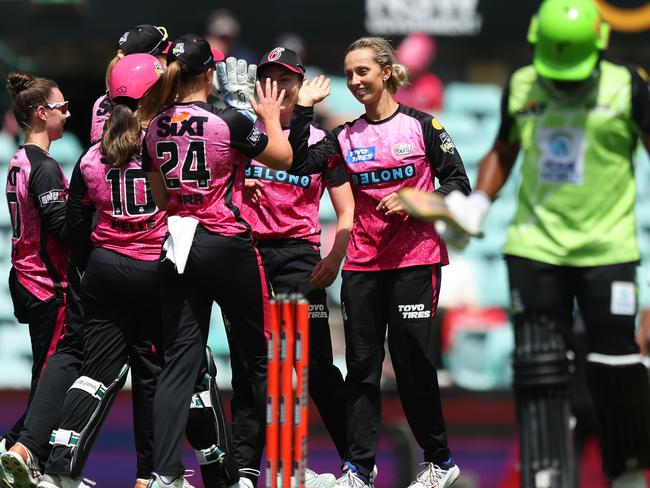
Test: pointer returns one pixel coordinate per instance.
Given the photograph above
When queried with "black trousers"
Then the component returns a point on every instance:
(121, 310)
(288, 264)
(605, 295)
(225, 269)
(404, 301)
(45, 320)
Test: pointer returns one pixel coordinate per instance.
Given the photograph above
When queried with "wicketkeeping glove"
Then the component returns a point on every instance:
(234, 82)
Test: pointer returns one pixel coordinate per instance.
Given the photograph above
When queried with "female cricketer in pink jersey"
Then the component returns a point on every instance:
(118, 289)
(36, 193)
(282, 210)
(391, 277)
(196, 157)
(145, 39)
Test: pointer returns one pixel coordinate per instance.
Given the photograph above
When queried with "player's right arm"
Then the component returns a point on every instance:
(156, 183)
(79, 216)
(496, 165)
(320, 156)
(277, 154)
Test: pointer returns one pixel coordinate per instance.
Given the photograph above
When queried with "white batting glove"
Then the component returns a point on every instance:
(469, 212)
(234, 82)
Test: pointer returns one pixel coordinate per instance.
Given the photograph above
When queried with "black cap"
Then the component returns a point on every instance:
(195, 52)
(284, 57)
(145, 38)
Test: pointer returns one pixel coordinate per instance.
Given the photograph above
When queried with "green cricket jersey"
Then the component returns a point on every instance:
(576, 199)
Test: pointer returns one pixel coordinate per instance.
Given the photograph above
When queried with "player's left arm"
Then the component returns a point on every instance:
(325, 271)
(46, 187)
(444, 158)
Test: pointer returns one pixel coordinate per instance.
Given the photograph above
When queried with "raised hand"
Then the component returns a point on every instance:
(234, 82)
(314, 91)
(269, 101)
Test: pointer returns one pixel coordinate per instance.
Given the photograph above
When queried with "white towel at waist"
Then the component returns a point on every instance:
(179, 241)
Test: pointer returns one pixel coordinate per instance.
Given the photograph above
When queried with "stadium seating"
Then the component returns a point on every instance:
(471, 115)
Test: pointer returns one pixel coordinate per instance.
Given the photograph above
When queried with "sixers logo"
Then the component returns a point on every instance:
(275, 54)
(178, 49)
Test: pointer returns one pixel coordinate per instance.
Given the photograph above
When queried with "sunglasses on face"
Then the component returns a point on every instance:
(60, 106)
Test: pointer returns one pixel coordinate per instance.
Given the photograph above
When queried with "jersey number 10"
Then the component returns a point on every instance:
(124, 183)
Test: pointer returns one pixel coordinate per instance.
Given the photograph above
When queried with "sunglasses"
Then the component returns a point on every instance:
(60, 106)
(158, 49)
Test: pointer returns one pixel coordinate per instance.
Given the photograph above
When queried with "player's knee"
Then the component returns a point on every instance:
(541, 358)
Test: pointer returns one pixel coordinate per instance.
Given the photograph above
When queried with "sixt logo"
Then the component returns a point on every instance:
(360, 155)
(192, 126)
(379, 176)
(415, 311)
(267, 174)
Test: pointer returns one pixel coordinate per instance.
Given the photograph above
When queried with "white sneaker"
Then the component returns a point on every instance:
(434, 476)
(242, 483)
(58, 481)
(373, 476)
(350, 479)
(630, 479)
(6, 479)
(312, 480)
(26, 473)
(180, 482)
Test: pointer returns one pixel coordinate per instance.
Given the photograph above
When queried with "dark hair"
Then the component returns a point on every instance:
(121, 139)
(28, 92)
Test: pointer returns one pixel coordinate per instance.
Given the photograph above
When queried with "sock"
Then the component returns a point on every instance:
(348, 466)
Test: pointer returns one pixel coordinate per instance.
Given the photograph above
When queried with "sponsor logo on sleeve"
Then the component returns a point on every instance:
(436, 125)
(360, 155)
(123, 39)
(254, 136)
(447, 145)
(52, 196)
(402, 149)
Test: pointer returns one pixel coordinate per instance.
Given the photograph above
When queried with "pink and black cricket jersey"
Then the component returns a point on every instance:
(201, 153)
(101, 112)
(288, 207)
(408, 149)
(36, 195)
(127, 219)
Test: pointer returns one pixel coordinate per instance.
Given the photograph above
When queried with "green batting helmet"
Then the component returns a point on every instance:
(568, 36)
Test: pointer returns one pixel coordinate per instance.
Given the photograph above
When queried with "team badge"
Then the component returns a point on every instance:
(178, 49)
(275, 54)
(159, 69)
(447, 145)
